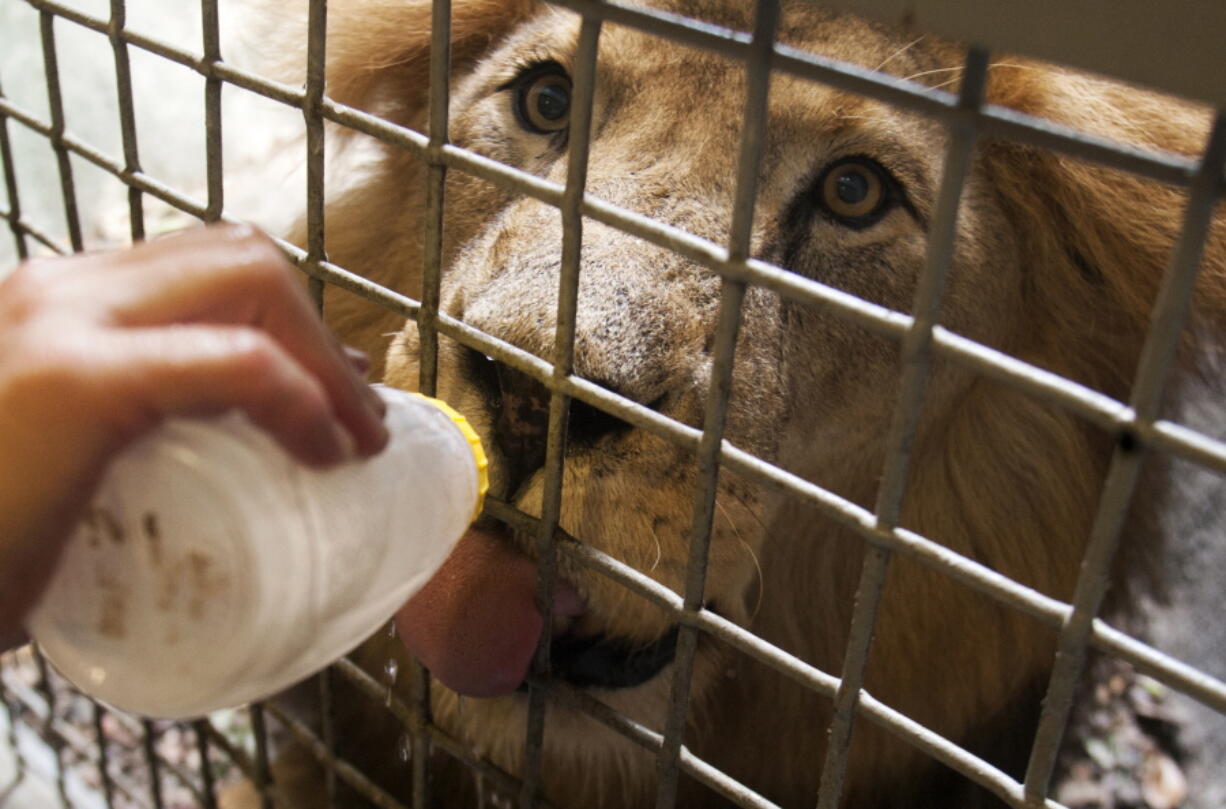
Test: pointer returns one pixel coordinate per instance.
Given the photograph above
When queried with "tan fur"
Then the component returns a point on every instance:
(1058, 262)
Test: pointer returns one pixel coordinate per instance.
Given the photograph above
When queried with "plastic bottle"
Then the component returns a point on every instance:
(213, 569)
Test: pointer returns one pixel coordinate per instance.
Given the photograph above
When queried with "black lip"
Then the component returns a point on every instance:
(599, 661)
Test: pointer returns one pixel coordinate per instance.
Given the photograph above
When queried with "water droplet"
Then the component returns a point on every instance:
(390, 671)
(404, 748)
(391, 629)
(480, 779)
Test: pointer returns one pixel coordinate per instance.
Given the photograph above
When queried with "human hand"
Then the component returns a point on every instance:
(97, 349)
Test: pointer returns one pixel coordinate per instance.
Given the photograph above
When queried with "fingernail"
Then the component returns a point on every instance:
(349, 446)
(330, 445)
(382, 436)
(371, 433)
(359, 360)
(375, 401)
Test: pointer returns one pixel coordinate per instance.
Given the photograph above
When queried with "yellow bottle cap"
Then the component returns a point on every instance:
(474, 443)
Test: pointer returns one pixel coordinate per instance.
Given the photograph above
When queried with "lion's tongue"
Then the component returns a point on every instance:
(475, 625)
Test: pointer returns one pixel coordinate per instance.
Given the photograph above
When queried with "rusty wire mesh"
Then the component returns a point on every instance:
(32, 701)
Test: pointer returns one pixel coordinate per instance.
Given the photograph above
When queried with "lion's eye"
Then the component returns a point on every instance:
(856, 191)
(542, 99)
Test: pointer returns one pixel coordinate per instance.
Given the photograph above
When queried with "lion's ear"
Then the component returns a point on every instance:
(381, 46)
(1097, 237)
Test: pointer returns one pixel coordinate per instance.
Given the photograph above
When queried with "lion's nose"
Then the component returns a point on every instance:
(522, 424)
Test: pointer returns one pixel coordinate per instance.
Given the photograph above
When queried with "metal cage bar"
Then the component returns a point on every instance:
(153, 762)
(439, 739)
(127, 116)
(328, 735)
(214, 166)
(1201, 686)
(13, 214)
(1165, 167)
(436, 187)
(1136, 421)
(263, 772)
(915, 359)
(208, 790)
(45, 691)
(19, 761)
(55, 103)
(422, 717)
(63, 737)
(76, 146)
(157, 764)
(579, 142)
(1157, 356)
(936, 746)
(25, 229)
(345, 771)
(1097, 408)
(222, 745)
(1083, 401)
(732, 296)
(104, 771)
(649, 739)
(316, 147)
(317, 39)
(1198, 684)
(432, 259)
(938, 104)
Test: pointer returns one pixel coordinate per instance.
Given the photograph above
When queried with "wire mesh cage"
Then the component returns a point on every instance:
(95, 756)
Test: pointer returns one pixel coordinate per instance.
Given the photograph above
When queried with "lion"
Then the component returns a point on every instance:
(1056, 262)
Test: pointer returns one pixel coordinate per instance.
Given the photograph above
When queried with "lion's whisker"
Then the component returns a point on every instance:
(757, 607)
(659, 550)
(1015, 66)
(748, 509)
(914, 76)
(899, 52)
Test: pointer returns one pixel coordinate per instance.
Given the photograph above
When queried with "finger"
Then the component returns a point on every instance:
(197, 274)
(359, 361)
(236, 275)
(356, 404)
(142, 375)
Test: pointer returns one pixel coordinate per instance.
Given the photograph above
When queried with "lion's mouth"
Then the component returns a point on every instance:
(601, 661)
(476, 626)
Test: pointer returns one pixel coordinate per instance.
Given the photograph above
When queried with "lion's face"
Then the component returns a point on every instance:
(846, 195)
(1055, 261)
